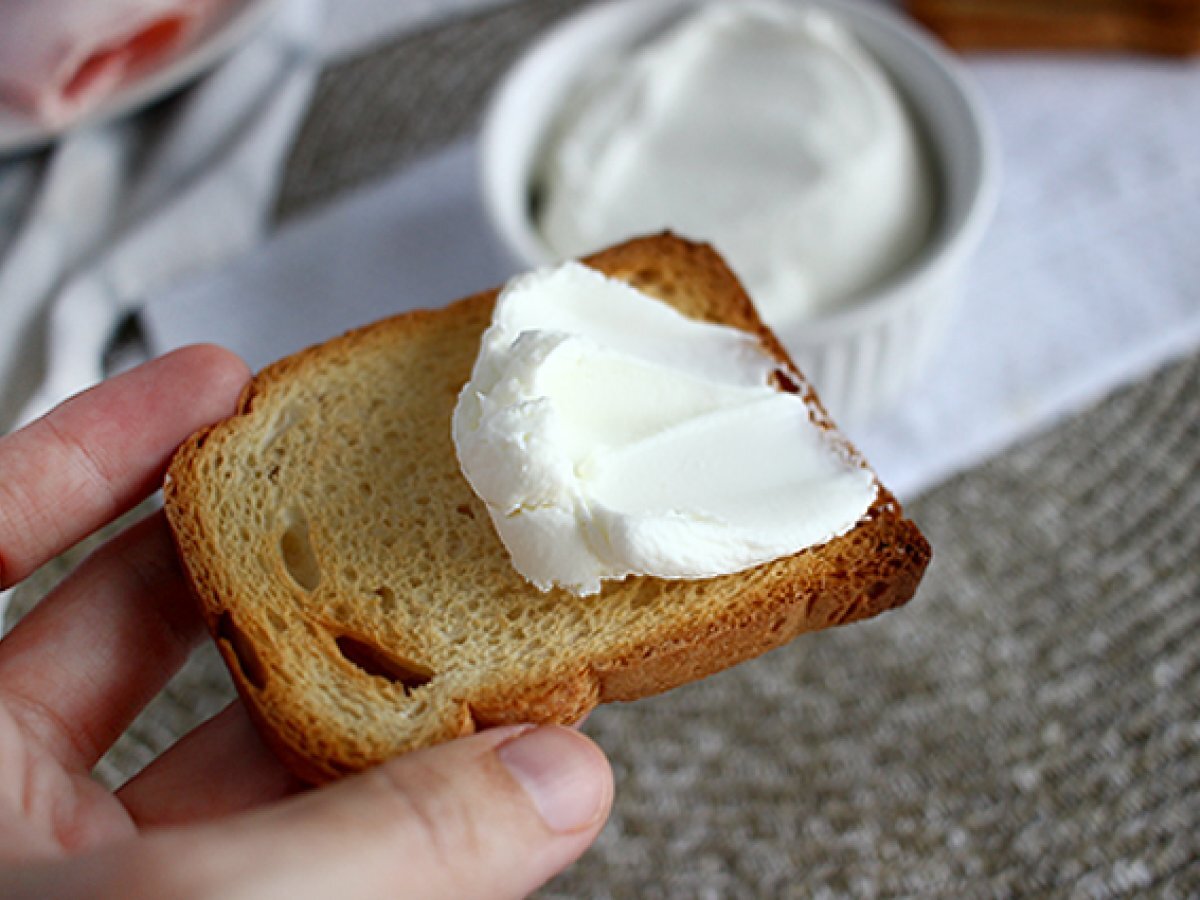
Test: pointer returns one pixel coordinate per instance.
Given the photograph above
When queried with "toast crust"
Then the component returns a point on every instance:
(288, 622)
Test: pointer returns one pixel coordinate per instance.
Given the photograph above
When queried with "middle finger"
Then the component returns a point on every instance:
(218, 768)
(82, 664)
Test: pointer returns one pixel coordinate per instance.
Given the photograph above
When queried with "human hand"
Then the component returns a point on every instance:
(492, 815)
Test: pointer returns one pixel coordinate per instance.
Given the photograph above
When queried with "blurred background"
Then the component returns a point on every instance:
(1030, 723)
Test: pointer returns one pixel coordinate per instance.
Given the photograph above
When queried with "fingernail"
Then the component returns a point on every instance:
(563, 773)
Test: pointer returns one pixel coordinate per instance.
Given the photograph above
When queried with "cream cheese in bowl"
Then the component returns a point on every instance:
(763, 127)
(852, 221)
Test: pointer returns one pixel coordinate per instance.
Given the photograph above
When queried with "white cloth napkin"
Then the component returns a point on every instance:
(416, 240)
(104, 233)
(1090, 276)
(1087, 279)
(86, 236)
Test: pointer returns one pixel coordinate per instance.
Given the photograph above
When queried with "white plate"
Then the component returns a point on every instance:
(225, 33)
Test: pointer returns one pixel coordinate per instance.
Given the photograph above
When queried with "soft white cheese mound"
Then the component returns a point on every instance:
(762, 127)
(609, 435)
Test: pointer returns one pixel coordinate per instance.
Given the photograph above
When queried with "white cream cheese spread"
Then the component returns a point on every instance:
(610, 435)
(761, 126)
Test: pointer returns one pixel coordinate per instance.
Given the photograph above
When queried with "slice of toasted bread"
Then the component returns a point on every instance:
(358, 591)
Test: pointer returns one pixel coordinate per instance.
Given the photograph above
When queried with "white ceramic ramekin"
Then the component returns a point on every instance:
(862, 358)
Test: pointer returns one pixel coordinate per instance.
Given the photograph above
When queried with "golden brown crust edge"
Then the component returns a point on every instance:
(897, 557)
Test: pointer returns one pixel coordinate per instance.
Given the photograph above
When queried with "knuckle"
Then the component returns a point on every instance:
(90, 470)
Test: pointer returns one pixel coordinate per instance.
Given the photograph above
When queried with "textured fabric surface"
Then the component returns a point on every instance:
(374, 113)
(1028, 726)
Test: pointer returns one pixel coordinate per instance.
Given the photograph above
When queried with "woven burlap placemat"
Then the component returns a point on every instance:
(1029, 725)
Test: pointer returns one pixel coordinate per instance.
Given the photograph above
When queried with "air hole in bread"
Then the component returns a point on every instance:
(387, 598)
(295, 547)
(242, 649)
(381, 664)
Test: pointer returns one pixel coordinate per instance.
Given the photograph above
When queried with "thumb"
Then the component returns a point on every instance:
(492, 815)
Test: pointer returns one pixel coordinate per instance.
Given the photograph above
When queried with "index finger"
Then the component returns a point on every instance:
(103, 451)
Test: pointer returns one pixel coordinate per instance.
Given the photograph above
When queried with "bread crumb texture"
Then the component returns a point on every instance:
(358, 591)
